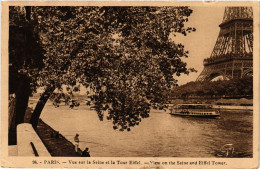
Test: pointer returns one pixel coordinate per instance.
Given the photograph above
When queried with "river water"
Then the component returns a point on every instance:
(160, 135)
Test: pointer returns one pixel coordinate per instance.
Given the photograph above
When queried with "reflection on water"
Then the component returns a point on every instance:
(160, 135)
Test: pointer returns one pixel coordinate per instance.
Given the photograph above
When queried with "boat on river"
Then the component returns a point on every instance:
(194, 110)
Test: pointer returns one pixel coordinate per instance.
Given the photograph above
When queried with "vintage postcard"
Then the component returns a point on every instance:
(111, 84)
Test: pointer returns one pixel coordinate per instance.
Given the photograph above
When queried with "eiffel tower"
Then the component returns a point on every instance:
(232, 56)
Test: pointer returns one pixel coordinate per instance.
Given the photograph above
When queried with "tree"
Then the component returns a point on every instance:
(140, 63)
(25, 59)
(126, 55)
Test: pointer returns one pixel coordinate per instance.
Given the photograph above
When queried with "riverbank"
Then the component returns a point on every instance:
(56, 144)
(239, 103)
(231, 108)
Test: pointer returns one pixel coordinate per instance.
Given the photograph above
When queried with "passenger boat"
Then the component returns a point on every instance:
(196, 110)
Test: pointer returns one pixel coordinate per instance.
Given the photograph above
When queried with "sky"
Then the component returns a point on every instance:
(200, 44)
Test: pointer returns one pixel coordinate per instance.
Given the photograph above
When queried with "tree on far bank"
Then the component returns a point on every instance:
(126, 55)
(237, 87)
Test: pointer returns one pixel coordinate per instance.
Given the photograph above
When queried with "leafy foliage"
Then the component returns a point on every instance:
(140, 63)
(125, 55)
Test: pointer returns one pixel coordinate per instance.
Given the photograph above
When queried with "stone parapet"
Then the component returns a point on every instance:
(29, 143)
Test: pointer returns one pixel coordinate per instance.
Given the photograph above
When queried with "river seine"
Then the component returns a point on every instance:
(160, 135)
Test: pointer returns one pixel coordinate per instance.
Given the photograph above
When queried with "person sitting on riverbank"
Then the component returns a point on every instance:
(85, 153)
(76, 140)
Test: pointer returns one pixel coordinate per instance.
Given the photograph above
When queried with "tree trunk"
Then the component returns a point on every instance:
(22, 99)
(12, 122)
(22, 94)
(40, 105)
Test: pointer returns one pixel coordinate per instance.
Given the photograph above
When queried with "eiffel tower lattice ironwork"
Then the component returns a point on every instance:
(232, 55)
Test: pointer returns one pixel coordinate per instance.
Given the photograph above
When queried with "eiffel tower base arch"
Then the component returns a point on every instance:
(229, 70)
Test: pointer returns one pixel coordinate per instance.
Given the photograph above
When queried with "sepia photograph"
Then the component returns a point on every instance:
(131, 82)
